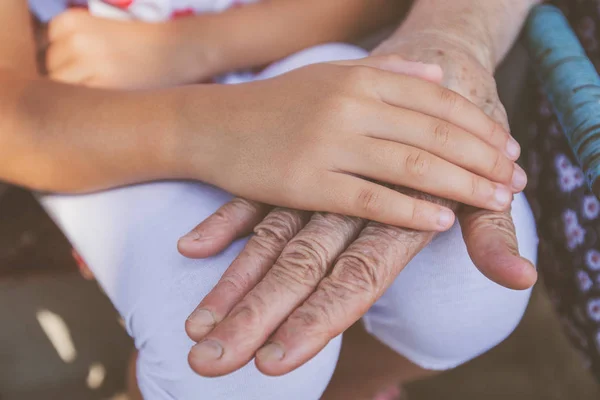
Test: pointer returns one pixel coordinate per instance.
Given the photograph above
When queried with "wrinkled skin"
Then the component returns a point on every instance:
(303, 279)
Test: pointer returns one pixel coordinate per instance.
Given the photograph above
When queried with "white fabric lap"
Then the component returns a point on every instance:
(440, 312)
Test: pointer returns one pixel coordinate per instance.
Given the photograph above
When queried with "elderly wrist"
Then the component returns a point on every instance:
(477, 47)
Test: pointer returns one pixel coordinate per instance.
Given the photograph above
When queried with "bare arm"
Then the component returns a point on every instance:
(65, 138)
(260, 33)
(486, 28)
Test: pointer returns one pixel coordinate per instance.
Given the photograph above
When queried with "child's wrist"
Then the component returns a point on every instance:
(201, 53)
(196, 144)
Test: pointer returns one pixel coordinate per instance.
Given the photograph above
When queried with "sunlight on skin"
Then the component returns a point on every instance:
(58, 333)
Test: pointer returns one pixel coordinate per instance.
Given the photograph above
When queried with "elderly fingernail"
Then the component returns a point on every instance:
(445, 219)
(270, 352)
(502, 196)
(519, 178)
(201, 322)
(191, 236)
(513, 150)
(208, 350)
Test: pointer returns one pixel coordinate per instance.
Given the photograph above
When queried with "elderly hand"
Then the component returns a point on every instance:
(489, 236)
(303, 279)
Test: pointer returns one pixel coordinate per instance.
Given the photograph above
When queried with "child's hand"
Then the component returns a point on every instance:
(102, 52)
(317, 138)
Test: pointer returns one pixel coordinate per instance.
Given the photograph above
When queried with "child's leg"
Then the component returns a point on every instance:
(128, 237)
(439, 313)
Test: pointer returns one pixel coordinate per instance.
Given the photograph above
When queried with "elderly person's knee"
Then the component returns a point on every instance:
(163, 373)
(441, 311)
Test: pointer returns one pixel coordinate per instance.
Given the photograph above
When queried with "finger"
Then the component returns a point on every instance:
(398, 65)
(249, 267)
(410, 167)
(64, 24)
(349, 195)
(234, 220)
(72, 73)
(492, 245)
(58, 55)
(297, 272)
(415, 94)
(358, 279)
(491, 238)
(447, 141)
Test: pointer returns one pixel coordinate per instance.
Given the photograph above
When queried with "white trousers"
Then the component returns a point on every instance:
(440, 312)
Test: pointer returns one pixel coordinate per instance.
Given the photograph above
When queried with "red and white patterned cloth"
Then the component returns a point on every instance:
(147, 10)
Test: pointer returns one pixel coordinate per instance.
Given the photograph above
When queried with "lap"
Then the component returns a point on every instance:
(441, 311)
(128, 238)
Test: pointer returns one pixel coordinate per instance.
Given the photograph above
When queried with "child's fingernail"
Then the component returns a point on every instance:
(513, 150)
(502, 196)
(445, 219)
(519, 178)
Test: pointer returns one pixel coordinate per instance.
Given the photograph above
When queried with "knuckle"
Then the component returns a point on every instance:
(317, 315)
(441, 133)
(417, 163)
(356, 275)
(418, 213)
(369, 201)
(343, 106)
(223, 215)
(358, 74)
(244, 205)
(475, 186)
(327, 223)
(501, 168)
(279, 226)
(496, 134)
(309, 320)
(234, 282)
(248, 315)
(304, 262)
(450, 100)
(481, 222)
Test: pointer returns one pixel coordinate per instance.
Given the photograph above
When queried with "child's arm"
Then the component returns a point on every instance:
(270, 30)
(65, 138)
(316, 130)
(124, 54)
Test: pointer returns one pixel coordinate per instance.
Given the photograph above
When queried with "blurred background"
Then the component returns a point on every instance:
(60, 338)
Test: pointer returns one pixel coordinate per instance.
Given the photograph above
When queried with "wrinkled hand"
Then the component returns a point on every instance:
(490, 237)
(290, 291)
(101, 52)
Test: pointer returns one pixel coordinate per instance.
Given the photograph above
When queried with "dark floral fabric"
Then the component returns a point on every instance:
(567, 214)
